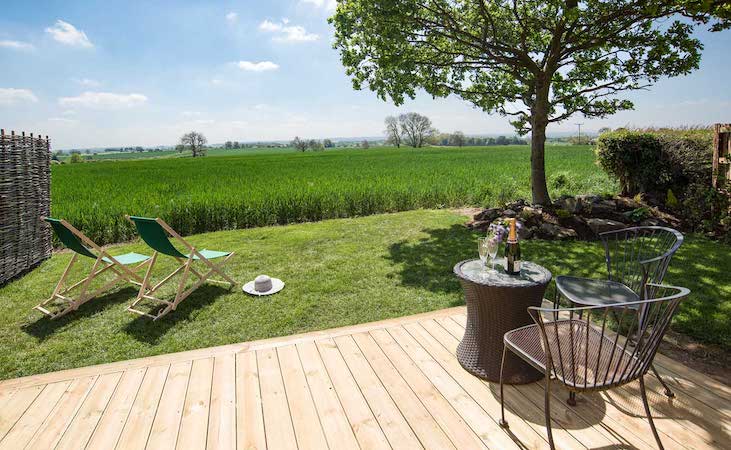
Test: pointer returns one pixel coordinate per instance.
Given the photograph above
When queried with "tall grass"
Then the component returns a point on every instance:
(277, 187)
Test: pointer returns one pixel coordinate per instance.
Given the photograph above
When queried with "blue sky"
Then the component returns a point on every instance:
(112, 73)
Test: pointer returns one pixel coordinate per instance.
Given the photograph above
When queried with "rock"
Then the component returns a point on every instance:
(578, 224)
(526, 232)
(568, 203)
(605, 209)
(509, 213)
(480, 225)
(652, 222)
(588, 199)
(516, 205)
(550, 231)
(598, 225)
(627, 203)
(531, 216)
(489, 214)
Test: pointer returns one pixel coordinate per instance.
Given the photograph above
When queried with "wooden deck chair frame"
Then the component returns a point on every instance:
(186, 266)
(103, 262)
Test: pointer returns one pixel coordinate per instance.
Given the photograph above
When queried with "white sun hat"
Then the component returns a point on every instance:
(263, 285)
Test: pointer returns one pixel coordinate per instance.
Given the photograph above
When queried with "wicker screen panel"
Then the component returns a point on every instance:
(25, 195)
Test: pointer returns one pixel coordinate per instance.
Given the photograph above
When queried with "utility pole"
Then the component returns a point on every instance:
(579, 125)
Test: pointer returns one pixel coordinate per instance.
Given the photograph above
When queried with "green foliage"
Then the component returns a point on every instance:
(237, 189)
(639, 214)
(75, 158)
(635, 159)
(503, 55)
(671, 201)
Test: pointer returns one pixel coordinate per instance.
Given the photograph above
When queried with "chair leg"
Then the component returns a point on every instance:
(649, 415)
(668, 392)
(503, 422)
(547, 410)
(572, 398)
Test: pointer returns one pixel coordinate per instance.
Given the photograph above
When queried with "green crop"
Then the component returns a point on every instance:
(265, 187)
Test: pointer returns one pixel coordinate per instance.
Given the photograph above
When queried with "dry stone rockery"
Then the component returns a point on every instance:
(575, 217)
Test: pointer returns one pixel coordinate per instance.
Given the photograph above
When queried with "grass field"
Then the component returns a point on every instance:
(338, 272)
(245, 188)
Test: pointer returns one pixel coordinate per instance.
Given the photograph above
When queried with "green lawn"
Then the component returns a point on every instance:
(233, 189)
(338, 272)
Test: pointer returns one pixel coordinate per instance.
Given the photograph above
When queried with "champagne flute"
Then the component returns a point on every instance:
(482, 251)
(492, 244)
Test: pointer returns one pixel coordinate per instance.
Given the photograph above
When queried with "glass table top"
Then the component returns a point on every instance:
(531, 274)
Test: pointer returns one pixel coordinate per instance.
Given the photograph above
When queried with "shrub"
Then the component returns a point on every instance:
(658, 160)
(635, 159)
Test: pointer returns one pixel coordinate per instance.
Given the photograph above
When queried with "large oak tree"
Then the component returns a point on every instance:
(537, 61)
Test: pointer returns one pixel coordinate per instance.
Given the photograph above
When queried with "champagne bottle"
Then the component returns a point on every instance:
(512, 251)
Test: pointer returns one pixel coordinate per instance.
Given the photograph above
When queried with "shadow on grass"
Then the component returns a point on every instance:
(428, 263)
(44, 327)
(146, 330)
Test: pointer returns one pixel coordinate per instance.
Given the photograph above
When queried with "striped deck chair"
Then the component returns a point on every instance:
(123, 266)
(155, 232)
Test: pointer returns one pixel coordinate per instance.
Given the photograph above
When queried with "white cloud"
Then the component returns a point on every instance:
(11, 96)
(328, 5)
(62, 120)
(204, 122)
(287, 33)
(232, 17)
(216, 81)
(262, 66)
(68, 34)
(87, 82)
(190, 114)
(17, 45)
(103, 100)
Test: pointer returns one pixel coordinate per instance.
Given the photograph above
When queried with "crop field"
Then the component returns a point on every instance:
(266, 187)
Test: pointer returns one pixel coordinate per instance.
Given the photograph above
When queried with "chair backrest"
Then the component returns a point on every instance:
(637, 256)
(598, 347)
(155, 236)
(69, 238)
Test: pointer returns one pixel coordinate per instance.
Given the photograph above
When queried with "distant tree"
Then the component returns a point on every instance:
(393, 134)
(327, 143)
(501, 140)
(180, 148)
(75, 158)
(228, 145)
(457, 139)
(604, 130)
(196, 142)
(314, 145)
(299, 144)
(415, 129)
(365, 144)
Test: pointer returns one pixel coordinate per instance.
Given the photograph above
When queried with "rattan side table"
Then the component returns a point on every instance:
(496, 304)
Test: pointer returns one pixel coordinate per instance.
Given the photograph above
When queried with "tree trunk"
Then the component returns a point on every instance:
(539, 122)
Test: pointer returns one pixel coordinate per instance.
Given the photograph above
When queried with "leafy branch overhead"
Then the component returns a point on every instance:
(510, 56)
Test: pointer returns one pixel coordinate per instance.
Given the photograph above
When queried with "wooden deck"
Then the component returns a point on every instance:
(390, 384)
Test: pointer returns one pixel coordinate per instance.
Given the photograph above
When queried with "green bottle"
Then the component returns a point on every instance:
(512, 251)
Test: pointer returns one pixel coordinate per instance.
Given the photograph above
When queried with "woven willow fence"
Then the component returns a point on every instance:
(25, 188)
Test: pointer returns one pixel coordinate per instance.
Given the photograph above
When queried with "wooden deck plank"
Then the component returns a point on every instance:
(52, 429)
(461, 435)
(394, 425)
(277, 417)
(115, 415)
(165, 426)
(422, 423)
(391, 383)
(16, 407)
(250, 419)
(307, 427)
(342, 408)
(26, 426)
(193, 432)
(222, 416)
(137, 428)
(82, 427)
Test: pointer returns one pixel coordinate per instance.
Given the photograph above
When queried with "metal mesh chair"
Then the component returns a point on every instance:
(588, 348)
(636, 259)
